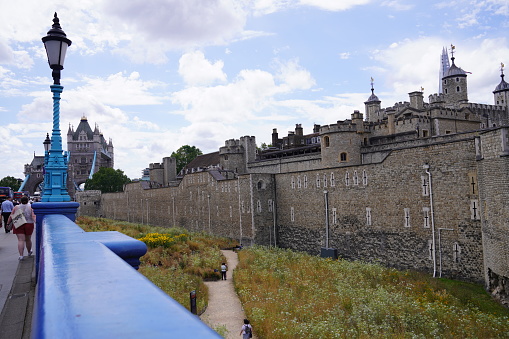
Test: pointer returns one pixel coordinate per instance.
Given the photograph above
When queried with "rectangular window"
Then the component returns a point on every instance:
(259, 206)
(472, 182)
(318, 181)
(364, 178)
(269, 204)
(299, 184)
(425, 186)
(292, 214)
(332, 180)
(293, 183)
(355, 178)
(474, 210)
(456, 252)
(231, 212)
(407, 217)
(334, 216)
(368, 216)
(305, 181)
(425, 212)
(325, 180)
(430, 249)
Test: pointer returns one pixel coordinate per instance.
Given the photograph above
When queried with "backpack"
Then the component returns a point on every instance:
(248, 330)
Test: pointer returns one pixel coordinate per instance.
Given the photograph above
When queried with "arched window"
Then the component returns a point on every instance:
(326, 141)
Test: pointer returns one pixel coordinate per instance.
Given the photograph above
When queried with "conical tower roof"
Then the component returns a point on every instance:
(372, 98)
(83, 126)
(503, 85)
(454, 70)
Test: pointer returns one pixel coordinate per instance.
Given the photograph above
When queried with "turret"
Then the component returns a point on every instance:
(372, 105)
(454, 84)
(501, 92)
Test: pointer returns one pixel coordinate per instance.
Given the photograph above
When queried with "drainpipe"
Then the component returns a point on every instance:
(426, 167)
(208, 198)
(326, 196)
(173, 211)
(240, 213)
(274, 221)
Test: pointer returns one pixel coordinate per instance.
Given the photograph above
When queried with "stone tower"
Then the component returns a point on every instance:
(373, 106)
(341, 142)
(454, 84)
(501, 92)
(89, 151)
(236, 154)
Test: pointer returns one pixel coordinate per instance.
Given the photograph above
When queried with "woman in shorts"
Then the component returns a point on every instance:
(24, 232)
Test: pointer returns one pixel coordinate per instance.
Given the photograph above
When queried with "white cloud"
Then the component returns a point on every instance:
(294, 77)
(159, 26)
(198, 71)
(397, 5)
(329, 5)
(344, 55)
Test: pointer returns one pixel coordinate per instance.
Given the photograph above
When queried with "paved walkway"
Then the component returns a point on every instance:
(224, 309)
(17, 285)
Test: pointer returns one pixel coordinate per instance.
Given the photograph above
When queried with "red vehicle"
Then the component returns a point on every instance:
(18, 195)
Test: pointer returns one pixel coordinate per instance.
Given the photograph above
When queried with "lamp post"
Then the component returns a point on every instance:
(55, 177)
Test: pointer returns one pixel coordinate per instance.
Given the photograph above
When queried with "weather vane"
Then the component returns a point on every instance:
(452, 49)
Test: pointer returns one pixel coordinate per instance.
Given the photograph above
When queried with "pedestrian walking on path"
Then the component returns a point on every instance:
(247, 330)
(24, 232)
(7, 207)
(224, 309)
(224, 268)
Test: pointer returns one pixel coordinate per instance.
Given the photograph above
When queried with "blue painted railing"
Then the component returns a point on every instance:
(87, 289)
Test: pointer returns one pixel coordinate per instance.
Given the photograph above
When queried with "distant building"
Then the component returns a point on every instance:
(88, 151)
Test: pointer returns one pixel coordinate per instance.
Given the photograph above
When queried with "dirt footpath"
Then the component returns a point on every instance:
(224, 307)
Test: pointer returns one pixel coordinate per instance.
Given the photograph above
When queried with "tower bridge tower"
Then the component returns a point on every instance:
(89, 151)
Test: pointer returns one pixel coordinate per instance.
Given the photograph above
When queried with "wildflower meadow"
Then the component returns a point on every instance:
(289, 294)
(177, 261)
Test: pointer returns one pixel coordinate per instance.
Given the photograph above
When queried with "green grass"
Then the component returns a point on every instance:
(177, 261)
(290, 294)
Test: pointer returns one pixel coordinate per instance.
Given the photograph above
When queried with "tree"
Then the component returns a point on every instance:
(184, 155)
(11, 182)
(107, 180)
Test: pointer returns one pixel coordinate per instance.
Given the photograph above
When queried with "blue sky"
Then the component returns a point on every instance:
(158, 74)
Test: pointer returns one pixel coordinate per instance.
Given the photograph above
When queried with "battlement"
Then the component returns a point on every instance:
(436, 98)
(486, 107)
(343, 126)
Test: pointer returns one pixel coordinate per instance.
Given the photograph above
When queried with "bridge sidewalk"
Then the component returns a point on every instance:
(17, 288)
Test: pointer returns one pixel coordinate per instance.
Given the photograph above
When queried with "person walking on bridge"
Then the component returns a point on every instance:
(7, 207)
(24, 232)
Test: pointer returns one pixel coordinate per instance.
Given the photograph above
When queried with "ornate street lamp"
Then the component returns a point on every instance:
(46, 143)
(55, 178)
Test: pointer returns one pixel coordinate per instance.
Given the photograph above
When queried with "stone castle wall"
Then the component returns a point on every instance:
(377, 212)
(494, 193)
